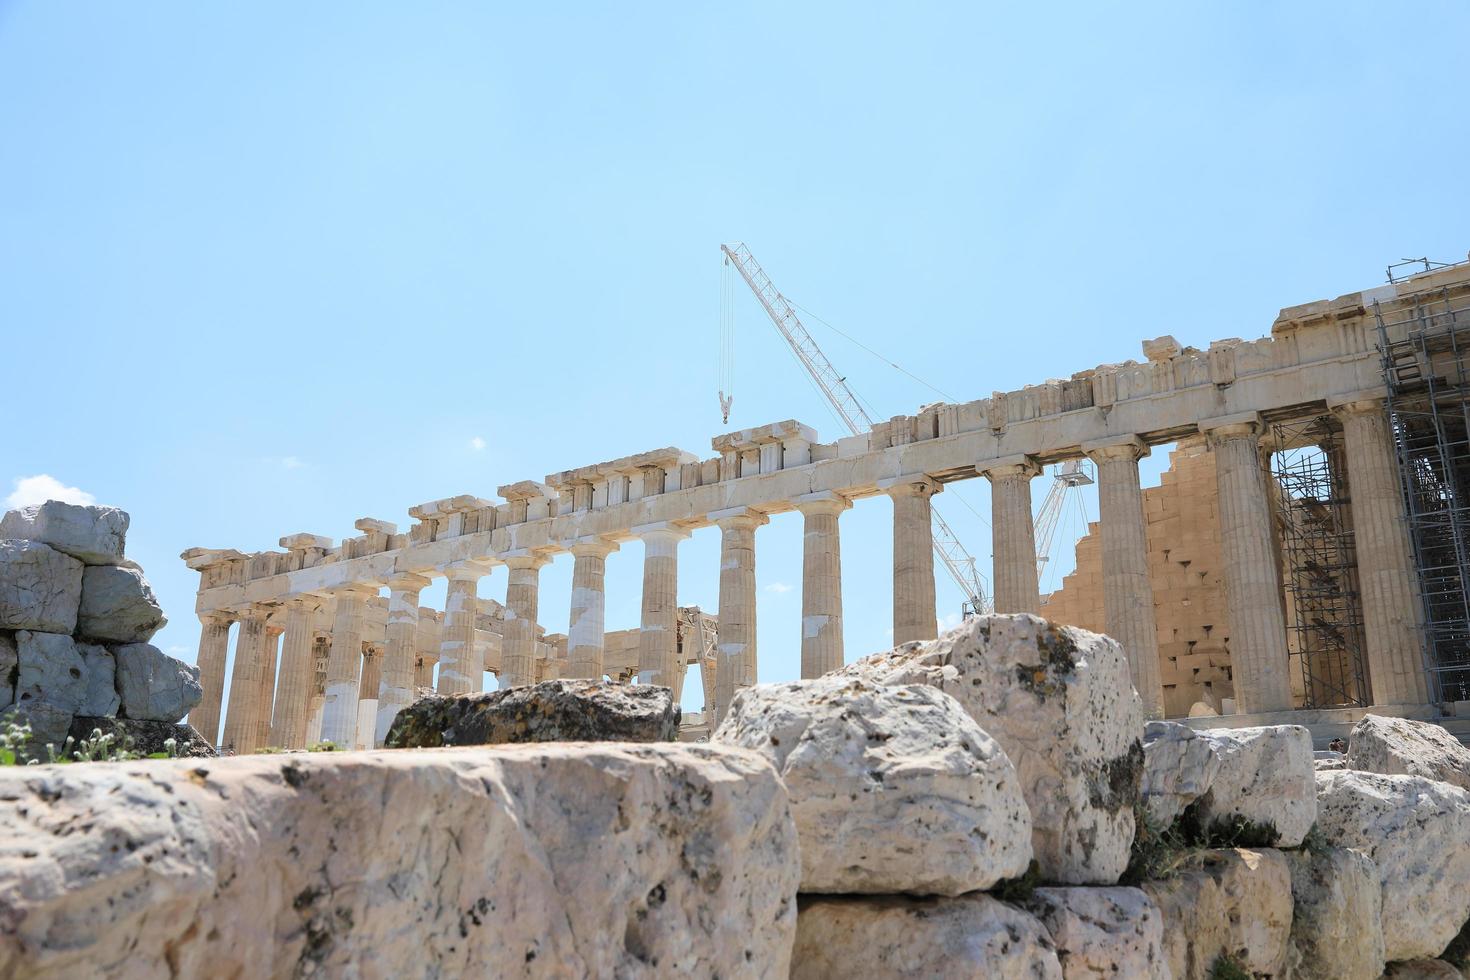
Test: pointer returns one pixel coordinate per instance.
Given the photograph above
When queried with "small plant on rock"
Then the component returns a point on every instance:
(13, 741)
(1159, 850)
(322, 747)
(1227, 967)
(1019, 889)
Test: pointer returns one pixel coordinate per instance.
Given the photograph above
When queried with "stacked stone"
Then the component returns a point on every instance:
(75, 620)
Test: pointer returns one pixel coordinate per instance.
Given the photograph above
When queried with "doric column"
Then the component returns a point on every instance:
(522, 606)
(395, 692)
(1013, 536)
(344, 667)
(586, 628)
(368, 684)
(913, 558)
(1128, 594)
(658, 637)
(268, 683)
(461, 661)
(1253, 590)
(214, 648)
(1386, 571)
(736, 664)
(293, 690)
(821, 582)
(243, 718)
(426, 648)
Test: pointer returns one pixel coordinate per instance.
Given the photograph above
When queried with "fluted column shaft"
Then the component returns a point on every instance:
(426, 648)
(1386, 571)
(914, 616)
(658, 637)
(522, 607)
(821, 582)
(243, 718)
(461, 661)
(214, 648)
(1128, 595)
(736, 662)
(266, 718)
(344, 667)
(1013, 536)
(1253, 589)
(586, 627)
(293, 690)
(395, 689)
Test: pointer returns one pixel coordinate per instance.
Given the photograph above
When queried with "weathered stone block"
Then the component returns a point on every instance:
(1412, 748)
(51, 670)
(894, 789)
(40, 588)
(1336, 923)
(100, 680)
(892, 937)
(1178, 768)
(548, 860)
(154, 686)
(49, 725)
(552, 711)
(94, 535)
(118, 605)
(1103, 932)
(9, 669)
(1266, 780)
(146, 737)
(1060, 702)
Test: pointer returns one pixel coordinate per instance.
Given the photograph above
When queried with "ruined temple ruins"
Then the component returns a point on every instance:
(1199, 583)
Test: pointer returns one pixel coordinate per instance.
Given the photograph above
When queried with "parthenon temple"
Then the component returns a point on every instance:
(1213, 583)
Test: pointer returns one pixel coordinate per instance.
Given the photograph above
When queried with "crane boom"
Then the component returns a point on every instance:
(951, 553)
(1070, 474)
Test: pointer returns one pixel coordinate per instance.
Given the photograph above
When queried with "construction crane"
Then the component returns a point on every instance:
(1067, 476)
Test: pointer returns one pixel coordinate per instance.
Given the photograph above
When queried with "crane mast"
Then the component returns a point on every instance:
(951, 553)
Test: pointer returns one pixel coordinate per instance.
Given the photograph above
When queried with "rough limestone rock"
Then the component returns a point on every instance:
(49, 725)
(91, 534)
(9, 668)
(894, 789)
(1235, 902)
(1103, 932)
(145, 737)
(40, 588)
(1416, 831)
(118, 605)
(1412, 748)
(893, 937)
(1336, 925)
(635, 861)
(100, 679)
(1178, 768)
(552, 711)
(51, 670)
(1325, 765)
(154, 686)
(1060, 702)
(1422, 970)
(1266, 777)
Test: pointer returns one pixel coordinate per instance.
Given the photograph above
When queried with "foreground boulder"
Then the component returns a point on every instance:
(94, 535)
(118, 605)
(51, 670)
(887, 938)
(1336, 923)
(100, 680)
(1406, 747)
(40, 588)
(552, 711)
(1265, 792)
(154, 686)
(144, 737)
(1416, 831)
(1178, 768)
(1103, 932)
(1232, 902)
(1060, 702)
(894, 789)
(558, 860)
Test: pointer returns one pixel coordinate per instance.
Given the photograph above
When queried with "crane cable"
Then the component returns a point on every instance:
(725, 369)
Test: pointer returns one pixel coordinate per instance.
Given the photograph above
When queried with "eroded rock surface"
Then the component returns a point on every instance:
(552, 711)
(1411, 748)
(95, 535)
(1060, 702)
(40, 588)
(144, 737)
(1337, 926)
(9, 668)
(894, 789)
(118, 605)
(892, 937)
(154, 686)
(1266, 780)
(1103, 932)
(100, 680)
(51, 670)
(1178, 768)
(553, 860)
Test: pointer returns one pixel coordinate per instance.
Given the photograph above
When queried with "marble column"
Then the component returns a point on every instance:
(1387, 575)
(1253, 589)
(243, 718)
(461, 661)
(395, 692)
(1128, 594)
(658, 637)
(1013, 535)
(268, 683)
(586, 628)
(214, 647)
(368, 684)
(914, 616)
(522, 607)
(344, 667)
(293, 690)
(426, 648)
(821, 582)
(736, 662)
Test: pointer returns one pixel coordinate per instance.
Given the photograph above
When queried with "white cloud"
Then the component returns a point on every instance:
(778, 587)
(950, 621)
(477, 444)
(291, 462)
(42, 487)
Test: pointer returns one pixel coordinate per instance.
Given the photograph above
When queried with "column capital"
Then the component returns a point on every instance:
(1238, 426)
(822, 502)
(1129, 448)
(662, 530)
(254, 612)
(272, 630)
(592, 546)
(918, 485)
(739, 518)
(1358, 403)
(1009, 466)
(359, 589)
(408, 582)
(523, 558)
(464, 571)
(217, 619)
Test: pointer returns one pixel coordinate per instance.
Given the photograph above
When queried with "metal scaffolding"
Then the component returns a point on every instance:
(1320, 573)
(1426, 367)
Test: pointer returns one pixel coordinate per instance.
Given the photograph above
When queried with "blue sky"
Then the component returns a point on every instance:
(271, 267)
